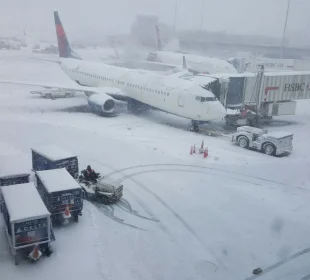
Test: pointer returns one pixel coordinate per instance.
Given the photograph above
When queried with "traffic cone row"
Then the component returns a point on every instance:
(203, 151)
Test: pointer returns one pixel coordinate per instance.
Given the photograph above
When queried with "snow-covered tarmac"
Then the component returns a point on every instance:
(182, 217)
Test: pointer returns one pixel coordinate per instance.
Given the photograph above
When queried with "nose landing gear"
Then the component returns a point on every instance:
(194, 126)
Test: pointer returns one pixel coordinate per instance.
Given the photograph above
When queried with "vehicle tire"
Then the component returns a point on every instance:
(76, 218)
(269, 149)
(67, 95)
(17, 259)
(243, 142)
(48, 252)
(104, 200)
(84, 193)
(48, 95)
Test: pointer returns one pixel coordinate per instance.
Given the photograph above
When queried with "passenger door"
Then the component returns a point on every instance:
(182, 96)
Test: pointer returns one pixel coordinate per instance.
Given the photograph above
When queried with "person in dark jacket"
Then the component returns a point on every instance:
(90, 174)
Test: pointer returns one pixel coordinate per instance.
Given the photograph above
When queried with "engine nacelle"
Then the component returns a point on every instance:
(102, 103)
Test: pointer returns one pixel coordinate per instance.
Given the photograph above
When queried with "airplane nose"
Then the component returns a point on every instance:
(222, 110)
(218, 111)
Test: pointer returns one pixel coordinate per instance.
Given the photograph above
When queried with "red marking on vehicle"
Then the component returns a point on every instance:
(268, 89)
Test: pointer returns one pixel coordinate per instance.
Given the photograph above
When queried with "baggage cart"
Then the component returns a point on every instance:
(7, 180)
(61, 194)
(27, 222)
(52, 157)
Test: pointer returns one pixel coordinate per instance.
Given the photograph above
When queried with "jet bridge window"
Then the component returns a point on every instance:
(205, 99)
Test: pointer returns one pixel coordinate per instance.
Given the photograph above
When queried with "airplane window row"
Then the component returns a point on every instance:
(149, 89)
(204, 99)
(121, 83)
(98, 77)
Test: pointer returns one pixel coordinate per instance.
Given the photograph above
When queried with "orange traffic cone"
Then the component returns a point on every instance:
(191, 152)
(67, 213)
(35, 253)
(205, 154)
(202, 144)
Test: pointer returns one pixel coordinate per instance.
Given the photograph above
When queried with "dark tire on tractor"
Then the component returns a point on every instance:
(243, 142)
(269, 149)
(104, 200)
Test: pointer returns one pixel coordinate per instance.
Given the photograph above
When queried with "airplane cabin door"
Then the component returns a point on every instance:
(182, 95)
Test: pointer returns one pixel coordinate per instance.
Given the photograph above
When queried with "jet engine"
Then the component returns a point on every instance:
(102, 104)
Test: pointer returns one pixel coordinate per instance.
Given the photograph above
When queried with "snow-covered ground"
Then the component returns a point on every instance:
(214, 218)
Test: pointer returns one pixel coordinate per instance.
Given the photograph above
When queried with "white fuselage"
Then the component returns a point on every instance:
(197, 63)
(170, 94)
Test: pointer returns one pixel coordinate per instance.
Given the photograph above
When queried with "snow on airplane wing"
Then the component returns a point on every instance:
(44, 59)
(111, 91)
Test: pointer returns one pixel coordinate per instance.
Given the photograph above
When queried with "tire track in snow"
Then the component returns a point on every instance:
(277, 185)
(110, 214)
(125, 205)
(147, 210)
(180, 170)
(181, 220)
(280, 263)
(192, 166)
(140, 202)
(99, 242)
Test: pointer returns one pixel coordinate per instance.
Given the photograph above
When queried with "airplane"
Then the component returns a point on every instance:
(196, 63)
(103, 84)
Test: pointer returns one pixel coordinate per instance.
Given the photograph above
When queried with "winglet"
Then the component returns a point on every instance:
(159, 44)
(64, 48)
(184, 63)
(117, 55)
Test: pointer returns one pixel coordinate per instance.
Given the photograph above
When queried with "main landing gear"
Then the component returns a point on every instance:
(194, 126)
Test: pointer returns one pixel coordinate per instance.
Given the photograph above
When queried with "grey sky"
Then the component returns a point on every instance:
(265, 17)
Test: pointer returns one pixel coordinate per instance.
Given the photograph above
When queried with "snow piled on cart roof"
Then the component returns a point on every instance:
(279, 134)
(57, 180)
(23, 202)
(53, 153)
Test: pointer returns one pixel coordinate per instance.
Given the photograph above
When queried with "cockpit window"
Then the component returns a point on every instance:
(205, 99)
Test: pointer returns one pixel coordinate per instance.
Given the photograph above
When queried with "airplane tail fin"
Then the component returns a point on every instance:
(159, 43)
(64, 48)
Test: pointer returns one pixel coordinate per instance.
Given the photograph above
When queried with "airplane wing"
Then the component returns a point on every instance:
(111, 91)
(44, 59)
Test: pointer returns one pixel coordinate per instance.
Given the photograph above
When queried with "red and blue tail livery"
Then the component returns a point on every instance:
(65, 50)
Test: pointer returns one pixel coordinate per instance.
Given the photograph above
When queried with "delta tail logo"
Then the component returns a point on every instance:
(63, 44)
